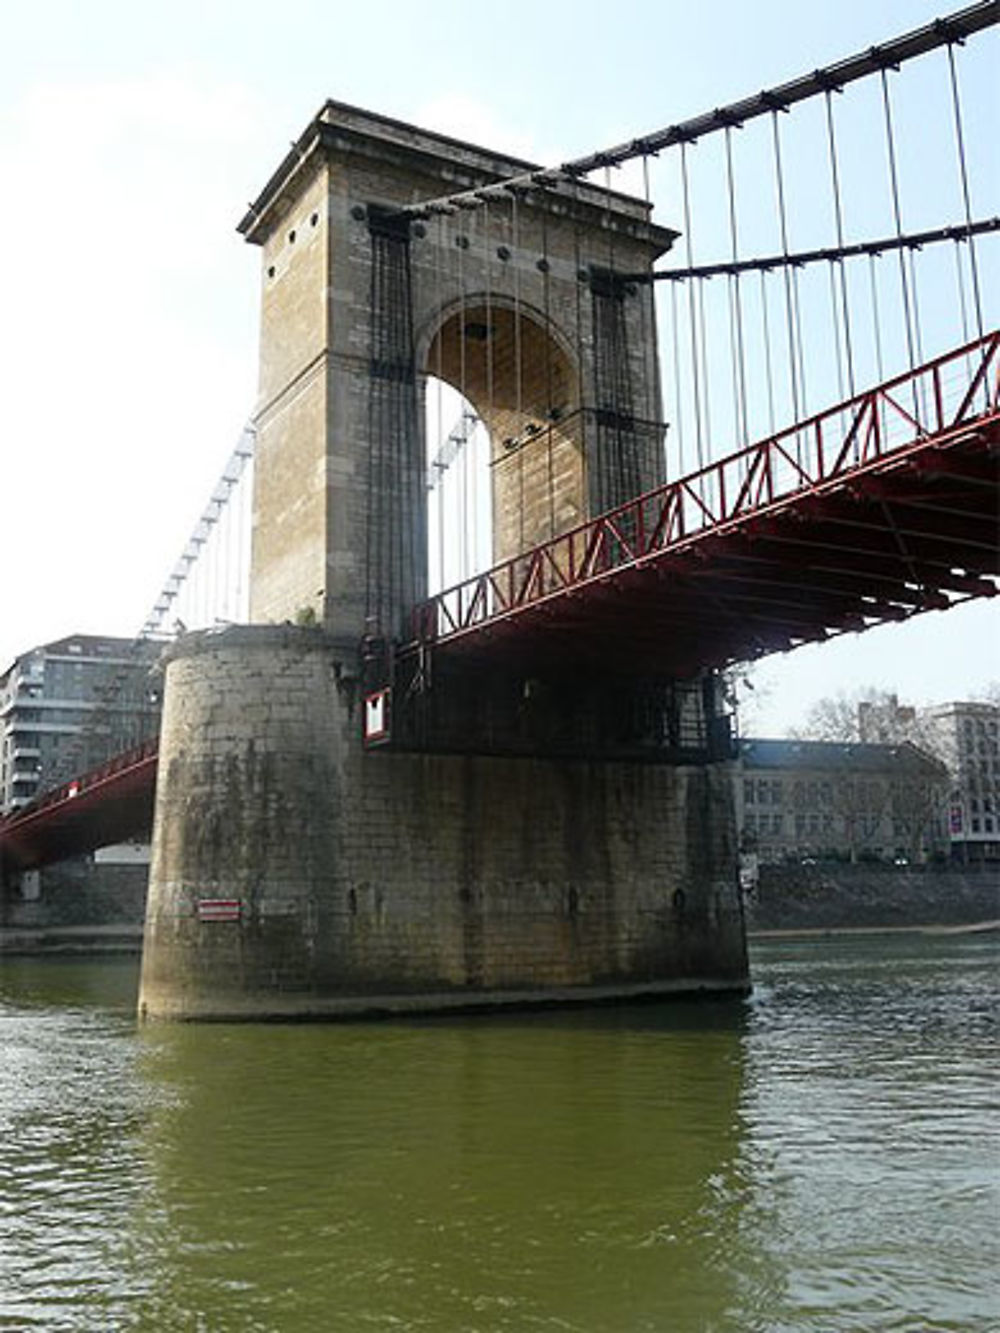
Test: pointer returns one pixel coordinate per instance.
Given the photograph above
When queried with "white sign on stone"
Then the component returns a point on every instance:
(377, 716)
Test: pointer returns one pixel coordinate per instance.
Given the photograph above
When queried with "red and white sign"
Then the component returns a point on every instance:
(376, 721)
(219, 909)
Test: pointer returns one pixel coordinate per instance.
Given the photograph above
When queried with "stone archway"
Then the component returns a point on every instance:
(525, 387)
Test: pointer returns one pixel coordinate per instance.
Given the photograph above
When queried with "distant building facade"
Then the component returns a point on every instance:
(805, 800)
(966, 736)
(63, 705)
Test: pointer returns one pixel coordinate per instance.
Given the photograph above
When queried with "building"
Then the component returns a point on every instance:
(886, 721)
(66, 705)
(966, 737)
(811, 800)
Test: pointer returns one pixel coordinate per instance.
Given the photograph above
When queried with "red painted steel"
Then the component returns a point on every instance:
(880, 508)
(109, 804)
(881, 454)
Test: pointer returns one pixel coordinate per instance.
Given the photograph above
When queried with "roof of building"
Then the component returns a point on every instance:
(964, 707)
(86, 645)
(856, 756)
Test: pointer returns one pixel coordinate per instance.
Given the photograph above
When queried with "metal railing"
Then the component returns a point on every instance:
(935, 401)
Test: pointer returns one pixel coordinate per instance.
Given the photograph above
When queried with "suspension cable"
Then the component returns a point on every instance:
(876, 318)
(689, 250)
(549, 378)
(913, 240)
(963, 309)
(835, 320)
(960, 141)
(767, 352)
(647, 324)
(914, 292)
(943, 31)
(678, 398)
(894, 181)
(706, 387)
(789, 300)
(439, 394)
(736, 312)
(463, 472)
(839, 218)
(515, 245)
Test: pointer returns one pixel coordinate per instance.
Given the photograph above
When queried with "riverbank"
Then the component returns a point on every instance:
(833, 898)
(828, 932)
(120, 938)
(789, 901)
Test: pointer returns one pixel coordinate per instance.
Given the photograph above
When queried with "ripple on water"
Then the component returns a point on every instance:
(819, 1160)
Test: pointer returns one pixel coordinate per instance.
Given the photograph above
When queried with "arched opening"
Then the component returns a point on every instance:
(515, 417)
(459, 517)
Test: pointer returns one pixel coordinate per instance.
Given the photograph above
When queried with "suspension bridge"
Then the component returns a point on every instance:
(567, 452)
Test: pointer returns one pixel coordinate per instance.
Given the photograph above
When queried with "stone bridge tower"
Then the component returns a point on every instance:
(514, 303)
(533, 843)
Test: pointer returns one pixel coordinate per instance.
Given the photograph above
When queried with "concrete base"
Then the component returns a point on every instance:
(348, 1008)
(294, 875)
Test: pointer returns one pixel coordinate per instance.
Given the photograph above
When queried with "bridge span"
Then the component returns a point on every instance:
(381, 797)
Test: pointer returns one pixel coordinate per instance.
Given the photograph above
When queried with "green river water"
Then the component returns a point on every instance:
(821, 1157)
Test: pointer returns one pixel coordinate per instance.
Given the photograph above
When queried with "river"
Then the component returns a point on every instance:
(821, 1157)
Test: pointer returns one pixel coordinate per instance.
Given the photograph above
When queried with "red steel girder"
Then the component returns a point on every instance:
(108, 804)
(889, 499)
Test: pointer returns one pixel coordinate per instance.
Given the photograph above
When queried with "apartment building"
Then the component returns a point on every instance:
(65, 705)
(966, 737)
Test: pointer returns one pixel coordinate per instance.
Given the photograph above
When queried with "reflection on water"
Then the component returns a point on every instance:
(817, 1158)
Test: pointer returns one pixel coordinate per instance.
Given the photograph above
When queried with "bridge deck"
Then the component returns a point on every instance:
(109, 804)
(882, 507)
(877, 509)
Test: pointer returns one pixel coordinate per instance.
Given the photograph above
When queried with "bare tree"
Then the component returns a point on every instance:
(838, 717)
(917, 808)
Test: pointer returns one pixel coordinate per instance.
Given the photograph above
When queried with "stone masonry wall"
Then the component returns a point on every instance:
(312, 505)
(378, 881)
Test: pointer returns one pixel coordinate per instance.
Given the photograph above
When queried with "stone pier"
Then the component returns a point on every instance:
(297, 873)
(367, 883)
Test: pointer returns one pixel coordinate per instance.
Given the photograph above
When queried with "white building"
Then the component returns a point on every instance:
(966, 737)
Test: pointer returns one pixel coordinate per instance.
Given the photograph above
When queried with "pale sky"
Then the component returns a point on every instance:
(131, 138)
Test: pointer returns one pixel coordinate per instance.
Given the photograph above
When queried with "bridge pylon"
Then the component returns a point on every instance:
(524, 836)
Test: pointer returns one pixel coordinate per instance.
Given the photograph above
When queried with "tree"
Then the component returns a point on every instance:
(914, 801)
(839, 717)
(743, 693)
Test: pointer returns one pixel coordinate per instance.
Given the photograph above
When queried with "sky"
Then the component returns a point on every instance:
(132, 137)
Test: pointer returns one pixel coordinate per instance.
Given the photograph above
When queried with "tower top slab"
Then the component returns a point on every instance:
(424, 165)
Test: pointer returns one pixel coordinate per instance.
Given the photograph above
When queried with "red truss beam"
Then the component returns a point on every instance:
(109, 804)
(874, 510)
